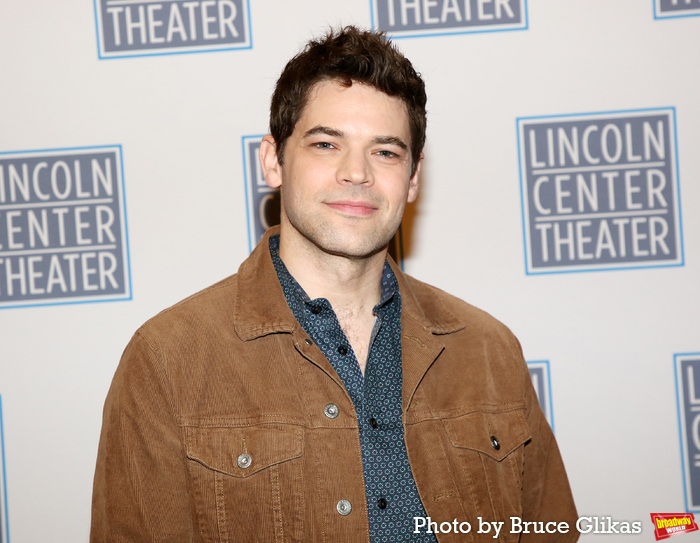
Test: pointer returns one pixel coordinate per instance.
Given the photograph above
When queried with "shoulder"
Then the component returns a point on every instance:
(448, 313)
(180, 345)
(198, 312)
(481, 362)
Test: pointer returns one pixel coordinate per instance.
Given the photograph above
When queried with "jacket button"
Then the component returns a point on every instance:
(496, 444)
(244, 461)
(344, 507)
(331, 411)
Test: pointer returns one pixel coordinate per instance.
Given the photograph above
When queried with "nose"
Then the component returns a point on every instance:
(354, 168)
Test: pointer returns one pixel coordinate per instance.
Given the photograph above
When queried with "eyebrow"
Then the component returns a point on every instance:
(328, 131)
(391, 140)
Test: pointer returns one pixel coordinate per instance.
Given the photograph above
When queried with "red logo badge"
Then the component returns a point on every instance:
(668, 524)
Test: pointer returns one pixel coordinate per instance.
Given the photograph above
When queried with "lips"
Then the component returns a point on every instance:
(352, 207)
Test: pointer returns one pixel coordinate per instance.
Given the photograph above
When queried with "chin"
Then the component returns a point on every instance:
(353, 248)
(355, 240)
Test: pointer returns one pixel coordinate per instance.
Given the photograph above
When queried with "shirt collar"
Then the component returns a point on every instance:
(259, 306)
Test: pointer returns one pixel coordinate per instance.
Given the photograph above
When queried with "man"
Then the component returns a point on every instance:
(320, 394)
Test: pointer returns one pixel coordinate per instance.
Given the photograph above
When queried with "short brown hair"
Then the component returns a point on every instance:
(348, 55)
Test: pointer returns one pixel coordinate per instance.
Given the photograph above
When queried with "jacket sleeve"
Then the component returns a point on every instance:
(546, 493)
(140, 489)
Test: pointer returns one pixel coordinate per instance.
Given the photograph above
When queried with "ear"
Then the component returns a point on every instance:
(413, 183)
(271, 168)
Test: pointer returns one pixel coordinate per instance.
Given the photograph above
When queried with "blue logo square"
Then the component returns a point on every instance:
(687, 367)
(130, 28)
(671, 9)
(4, 527)
(600, 191)
(539, 374)
(415, 18)
(63, 234)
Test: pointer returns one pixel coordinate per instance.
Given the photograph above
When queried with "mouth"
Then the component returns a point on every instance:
(352, 207)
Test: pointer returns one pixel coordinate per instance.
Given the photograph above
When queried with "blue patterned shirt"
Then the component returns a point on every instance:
(392, 497)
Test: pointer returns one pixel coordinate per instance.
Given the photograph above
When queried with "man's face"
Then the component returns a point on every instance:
(346, 176)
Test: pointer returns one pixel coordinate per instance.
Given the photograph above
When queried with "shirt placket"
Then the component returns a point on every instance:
(376, 396)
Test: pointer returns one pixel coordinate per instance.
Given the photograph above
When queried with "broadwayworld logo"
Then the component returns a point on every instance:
(62, 227)
(687, 368)
(669, 524)
(412, 18)
(127, 28)
(600, 191)
(666, 9)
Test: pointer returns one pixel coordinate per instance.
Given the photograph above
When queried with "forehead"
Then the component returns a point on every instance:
(360, 106)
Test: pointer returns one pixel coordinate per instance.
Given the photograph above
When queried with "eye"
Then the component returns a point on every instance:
(323, 145)
(384, 153)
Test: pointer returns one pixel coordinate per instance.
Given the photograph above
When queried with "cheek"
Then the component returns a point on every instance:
(400, 193)
(306, 176)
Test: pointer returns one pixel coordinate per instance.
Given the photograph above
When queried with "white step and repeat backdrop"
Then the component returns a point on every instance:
(561, 192)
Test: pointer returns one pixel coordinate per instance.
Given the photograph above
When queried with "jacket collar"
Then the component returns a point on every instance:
(261, 308)
(421, 303)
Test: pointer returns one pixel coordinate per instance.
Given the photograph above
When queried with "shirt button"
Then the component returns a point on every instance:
(382, 503)
(331, 411)
(373, 422)
(316, 309)
(343, 350)
(496, 444)
(244, 461)
(344, 507)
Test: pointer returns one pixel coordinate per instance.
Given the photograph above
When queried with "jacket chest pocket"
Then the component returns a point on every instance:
(489, 451)
(248, 481)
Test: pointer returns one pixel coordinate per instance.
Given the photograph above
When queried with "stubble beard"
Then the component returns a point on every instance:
(346, 242)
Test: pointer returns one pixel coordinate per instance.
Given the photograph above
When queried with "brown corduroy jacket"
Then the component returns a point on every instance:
(216, 426)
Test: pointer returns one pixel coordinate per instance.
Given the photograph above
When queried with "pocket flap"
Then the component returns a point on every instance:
(495, 434)
(243, 451)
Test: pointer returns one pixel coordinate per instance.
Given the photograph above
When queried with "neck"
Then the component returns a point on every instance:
(347, 283)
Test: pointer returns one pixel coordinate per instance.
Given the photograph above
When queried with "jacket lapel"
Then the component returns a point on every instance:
(422, 326)
(260, 308)
(420, 348)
